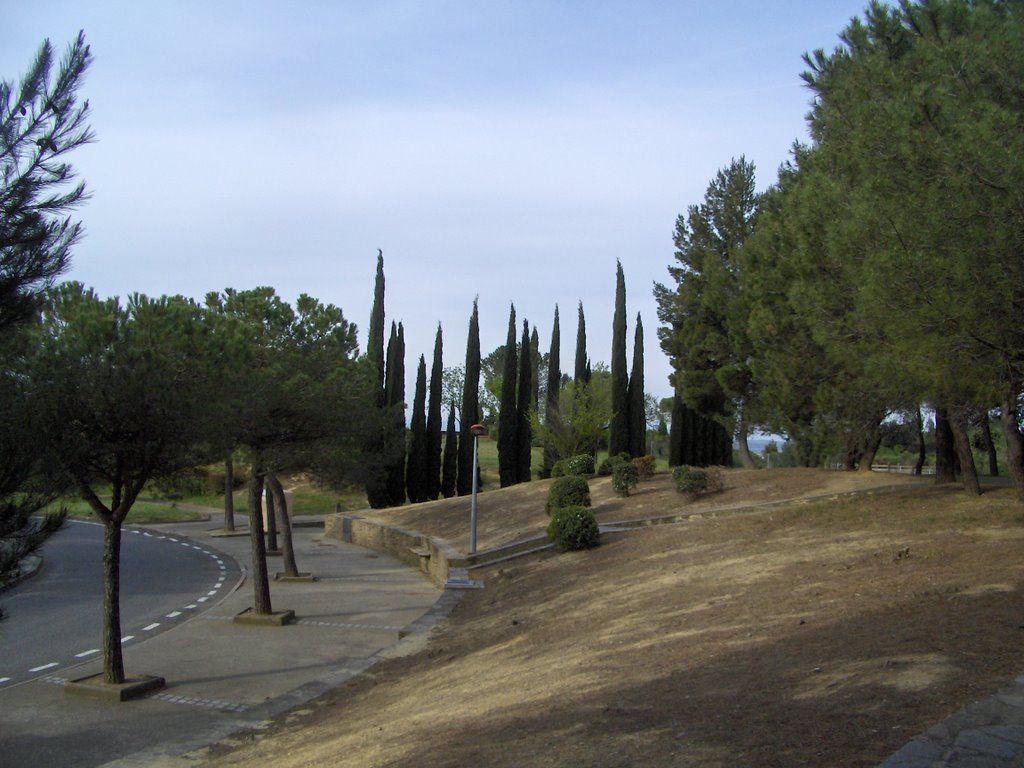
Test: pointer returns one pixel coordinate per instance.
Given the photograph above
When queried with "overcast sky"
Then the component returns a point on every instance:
(507, 150)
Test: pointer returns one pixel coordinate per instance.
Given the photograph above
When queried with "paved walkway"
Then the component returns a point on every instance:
(986, 734)
(224, 677)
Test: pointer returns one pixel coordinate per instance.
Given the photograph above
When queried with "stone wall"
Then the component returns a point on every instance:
(434, 557)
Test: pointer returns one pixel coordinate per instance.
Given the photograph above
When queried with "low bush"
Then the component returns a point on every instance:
(609, 464)
(645, 466)
(574, 528)
(580, 464)
(695, 481)
(568, 491)
(624, 478)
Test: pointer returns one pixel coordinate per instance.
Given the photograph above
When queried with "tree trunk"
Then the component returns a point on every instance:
(922, 453)
(945, 454)
(958, 424)
(989, 445)
(260, 582)
(272, 546)
(746, 460)
(1014, 442)
(867, 458)
(113, 662)
(288, 550)
(229, 489)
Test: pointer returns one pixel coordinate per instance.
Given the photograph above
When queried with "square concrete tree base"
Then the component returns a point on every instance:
(281, 576)
(220, 532)
(275, 619)
(94, 687)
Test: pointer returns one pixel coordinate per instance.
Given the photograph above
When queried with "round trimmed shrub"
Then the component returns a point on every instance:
(574, 528)
(624, 478)
(690, 480)
(580, 464)
(694, 482)
(645, 466)
(568, 491)
(608, 465)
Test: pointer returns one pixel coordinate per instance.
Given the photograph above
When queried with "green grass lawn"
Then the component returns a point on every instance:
(142, 512)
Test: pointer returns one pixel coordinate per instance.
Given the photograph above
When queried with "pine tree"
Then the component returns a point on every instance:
(433, 468)
(508, 415)
(637, 406)
(470, 404)
(675, 432)
(450, 465)
(416, 468)
(554, 385)
(618, 432)
(524, 431)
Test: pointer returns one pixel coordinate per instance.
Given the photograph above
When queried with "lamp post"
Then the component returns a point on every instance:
(476, 431)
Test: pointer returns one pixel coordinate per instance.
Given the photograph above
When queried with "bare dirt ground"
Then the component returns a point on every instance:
(827, 631)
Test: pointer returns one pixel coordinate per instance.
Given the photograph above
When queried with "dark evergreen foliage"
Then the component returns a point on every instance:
(39, 127)
(394, 386)
(41, 122)
(618, 431)
(524, 428)
(433, 469)
(470, 404)
(377, 443)
(416, 468)
(581, 371)
(637, 406)
(696, 440)
(554, 386)
(508, 415)
(535, 362)
(375, 333)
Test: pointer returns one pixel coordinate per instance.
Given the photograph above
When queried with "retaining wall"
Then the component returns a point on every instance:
(434, 557)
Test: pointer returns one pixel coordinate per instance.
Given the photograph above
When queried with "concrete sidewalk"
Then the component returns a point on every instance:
(223, 677)
(986, 734)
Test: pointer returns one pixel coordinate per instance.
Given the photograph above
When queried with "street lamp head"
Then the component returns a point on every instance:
(478, 430)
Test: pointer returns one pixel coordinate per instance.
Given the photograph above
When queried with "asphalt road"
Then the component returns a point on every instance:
(55, 619)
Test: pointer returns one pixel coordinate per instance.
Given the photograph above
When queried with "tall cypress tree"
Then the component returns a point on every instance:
(535, 363)
(377, 445)
(470, 404)
(416, 468)
(508, 415)
(524, 431)
(582, 364)
(433, 469)
(618, 432)
(554, 385)
(450, 464)
(394, 386)
(375, 337)
(637, 411)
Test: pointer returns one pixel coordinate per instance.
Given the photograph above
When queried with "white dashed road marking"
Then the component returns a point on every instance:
(86, 654)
